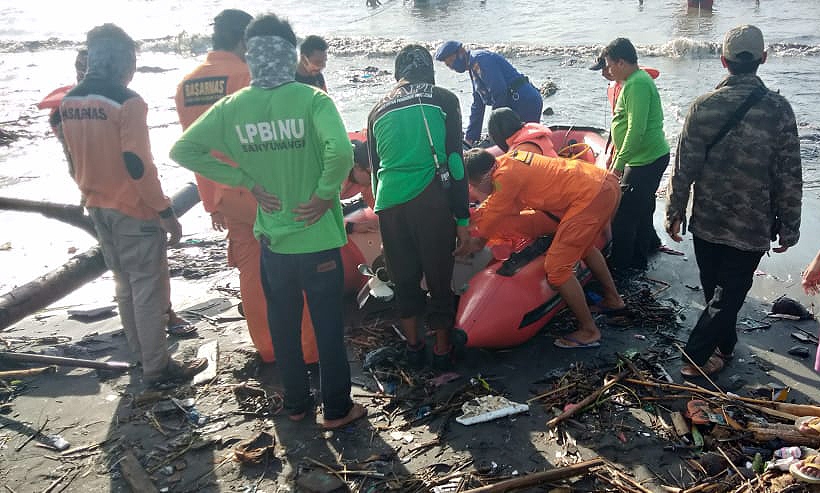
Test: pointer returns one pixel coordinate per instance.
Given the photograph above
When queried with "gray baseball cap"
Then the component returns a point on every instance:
(743, 39)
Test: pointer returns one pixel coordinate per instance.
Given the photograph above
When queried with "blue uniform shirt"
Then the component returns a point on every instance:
(497, 83)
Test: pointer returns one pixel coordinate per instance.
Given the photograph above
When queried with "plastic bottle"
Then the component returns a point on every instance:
(788, 452)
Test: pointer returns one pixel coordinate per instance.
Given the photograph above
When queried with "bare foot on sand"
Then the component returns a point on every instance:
(356, 412)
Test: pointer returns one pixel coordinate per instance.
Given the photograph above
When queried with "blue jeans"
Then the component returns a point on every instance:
(321, 277)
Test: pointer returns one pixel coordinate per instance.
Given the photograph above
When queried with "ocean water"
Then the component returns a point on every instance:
(548, 41)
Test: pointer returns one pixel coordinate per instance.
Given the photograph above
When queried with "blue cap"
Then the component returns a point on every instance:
(446, 49)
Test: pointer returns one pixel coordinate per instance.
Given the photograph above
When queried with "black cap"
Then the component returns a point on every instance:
(232, 20)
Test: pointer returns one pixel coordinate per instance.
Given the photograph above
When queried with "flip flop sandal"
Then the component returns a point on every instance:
(181, 329)
(576, 344)
(670, 251)
(698, 411)
(810, 463)
(810, 422)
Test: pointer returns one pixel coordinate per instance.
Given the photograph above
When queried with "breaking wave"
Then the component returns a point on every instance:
(186, 43)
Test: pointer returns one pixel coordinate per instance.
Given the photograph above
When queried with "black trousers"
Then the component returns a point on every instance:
(633, 230)
(419, 237)
(726, 275)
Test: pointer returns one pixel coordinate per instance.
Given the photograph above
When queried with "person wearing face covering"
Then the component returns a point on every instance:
(234, 208)
(293, 153)
(415, 147)
(106, 134)
(510, 134)
(496, 83)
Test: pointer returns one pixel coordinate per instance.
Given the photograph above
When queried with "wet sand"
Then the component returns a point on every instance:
(87, 409)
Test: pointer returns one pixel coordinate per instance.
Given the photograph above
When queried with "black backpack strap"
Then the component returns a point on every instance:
(738, 115)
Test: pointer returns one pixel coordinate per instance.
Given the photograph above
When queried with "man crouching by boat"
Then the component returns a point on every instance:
(585, 197)
(105, 131)
(292, 152)
(414, 139)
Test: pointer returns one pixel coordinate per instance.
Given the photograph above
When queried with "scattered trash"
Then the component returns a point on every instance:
(256, 449)
(91, 311)
(253, 399)
(319, 482)
(488, 408)
(799, 351)
(804, 338)
(209, 351)
(56, 442)
(749, 325)
(788, 452)
(423, 411)
(548, 88)
(378, 356)
(788, 306)
(444, 378)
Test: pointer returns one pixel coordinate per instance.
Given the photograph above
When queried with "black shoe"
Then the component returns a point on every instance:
(416, 356)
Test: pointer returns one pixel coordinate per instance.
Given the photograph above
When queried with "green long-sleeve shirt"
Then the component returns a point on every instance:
(637, 125)
(292, 142)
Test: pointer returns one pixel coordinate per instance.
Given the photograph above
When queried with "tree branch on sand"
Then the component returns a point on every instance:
(82, 268)
(72, 214)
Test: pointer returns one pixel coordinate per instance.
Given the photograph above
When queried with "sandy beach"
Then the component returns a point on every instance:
(106, 411)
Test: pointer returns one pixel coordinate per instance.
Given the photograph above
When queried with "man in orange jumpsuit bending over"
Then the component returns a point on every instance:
(225, 72)
(583, 195)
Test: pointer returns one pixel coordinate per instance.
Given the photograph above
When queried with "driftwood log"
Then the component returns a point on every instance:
(539, 477)
(61, 361)
(87, 266)
(787, 433)
(72, 214)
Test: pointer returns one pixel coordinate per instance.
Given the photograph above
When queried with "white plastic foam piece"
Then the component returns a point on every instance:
(488, 408)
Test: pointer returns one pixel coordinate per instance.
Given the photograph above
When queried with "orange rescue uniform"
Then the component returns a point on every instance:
(583, 195)
(536, 134)
(221, 74)
(100, 171)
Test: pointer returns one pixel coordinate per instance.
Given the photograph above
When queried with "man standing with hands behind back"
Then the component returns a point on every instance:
(233, 208)
(293, 153)
(739, 147)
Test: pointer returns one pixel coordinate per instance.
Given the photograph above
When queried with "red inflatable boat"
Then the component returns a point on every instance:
(509, 301)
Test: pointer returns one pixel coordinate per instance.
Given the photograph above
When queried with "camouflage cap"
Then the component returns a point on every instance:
(743, 39)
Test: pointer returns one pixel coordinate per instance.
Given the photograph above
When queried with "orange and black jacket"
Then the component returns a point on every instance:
(106, 132)
(221, 74)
